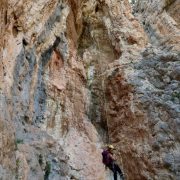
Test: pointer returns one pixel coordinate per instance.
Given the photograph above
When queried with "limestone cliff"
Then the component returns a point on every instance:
(161, 21)
(77, 74)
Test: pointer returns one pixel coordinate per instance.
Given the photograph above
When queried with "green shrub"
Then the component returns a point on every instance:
(175, 95)
(47, 170)
(17, 167)
(18, 141)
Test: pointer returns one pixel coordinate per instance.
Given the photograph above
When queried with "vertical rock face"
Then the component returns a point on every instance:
(44, 92)
(159, 69)
(77, 74)
(161, 21)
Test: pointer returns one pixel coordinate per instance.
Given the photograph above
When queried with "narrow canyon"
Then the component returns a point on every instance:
(76, 75)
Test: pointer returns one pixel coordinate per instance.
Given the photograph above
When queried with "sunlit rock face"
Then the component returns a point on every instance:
(45, 129)
(78, 74)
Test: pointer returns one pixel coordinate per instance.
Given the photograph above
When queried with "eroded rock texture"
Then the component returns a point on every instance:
(78, 74)
(161, 21)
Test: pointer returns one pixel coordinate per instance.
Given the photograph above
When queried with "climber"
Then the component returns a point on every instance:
(109, 161)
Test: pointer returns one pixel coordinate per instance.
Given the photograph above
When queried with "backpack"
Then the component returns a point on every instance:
(105, 158)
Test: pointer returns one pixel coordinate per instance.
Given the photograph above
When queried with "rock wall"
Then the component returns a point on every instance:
(143, 99)
(78, 74)
(161, 21)
(44, 82)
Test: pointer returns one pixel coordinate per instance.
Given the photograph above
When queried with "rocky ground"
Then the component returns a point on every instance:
(77, 74)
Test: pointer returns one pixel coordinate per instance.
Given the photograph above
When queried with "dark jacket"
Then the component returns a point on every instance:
(107, 157)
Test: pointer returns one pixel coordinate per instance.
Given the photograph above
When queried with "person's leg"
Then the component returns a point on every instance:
(113, 169)
(117, 168)
(115, 175)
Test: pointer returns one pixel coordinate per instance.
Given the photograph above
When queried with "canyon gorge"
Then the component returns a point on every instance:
(76, 75)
